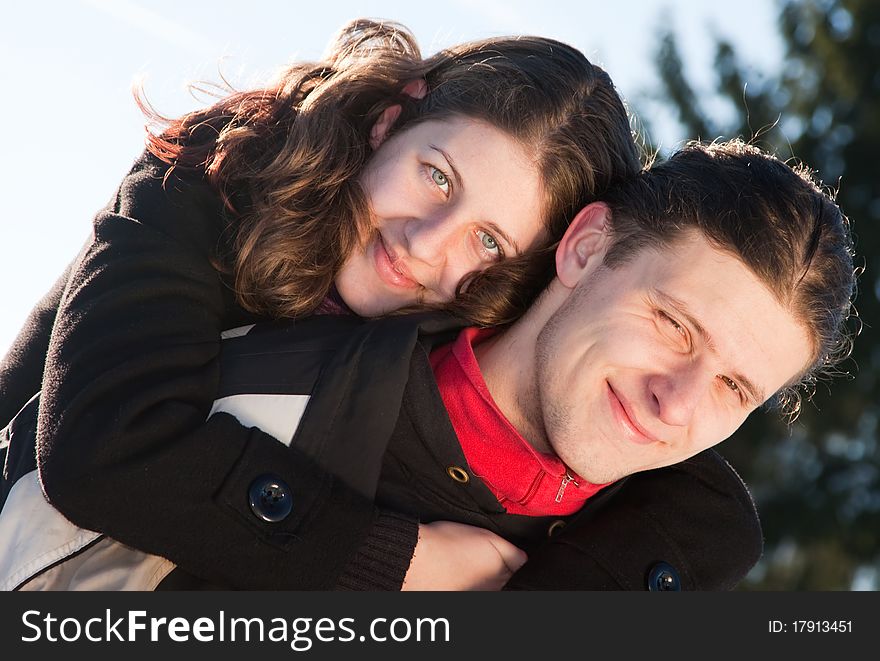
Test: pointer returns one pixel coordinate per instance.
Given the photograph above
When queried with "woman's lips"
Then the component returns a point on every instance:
(630, 427)
(390, 269)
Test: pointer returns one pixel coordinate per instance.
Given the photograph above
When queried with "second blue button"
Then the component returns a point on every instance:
(270, 498)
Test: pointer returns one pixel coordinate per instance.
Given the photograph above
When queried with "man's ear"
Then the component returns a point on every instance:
(417, 89)
(584, 243)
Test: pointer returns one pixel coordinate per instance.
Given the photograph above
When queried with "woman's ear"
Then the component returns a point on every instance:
(583, 246)
(416, 89)
(380, 129)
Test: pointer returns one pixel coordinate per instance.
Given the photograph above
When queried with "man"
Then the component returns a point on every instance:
(709, 285)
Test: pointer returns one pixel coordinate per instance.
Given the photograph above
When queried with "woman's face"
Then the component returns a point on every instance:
(447, 198)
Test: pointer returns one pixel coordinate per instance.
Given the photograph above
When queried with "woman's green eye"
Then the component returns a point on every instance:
(440, 179)
(489, 242)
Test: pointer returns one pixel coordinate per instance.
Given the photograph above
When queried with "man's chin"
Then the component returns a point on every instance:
(592, 475)
(601, 479)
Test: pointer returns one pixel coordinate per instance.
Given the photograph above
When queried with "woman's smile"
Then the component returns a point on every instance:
(389, 267)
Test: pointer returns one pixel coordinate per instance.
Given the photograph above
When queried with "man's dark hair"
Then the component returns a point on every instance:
(775, 217)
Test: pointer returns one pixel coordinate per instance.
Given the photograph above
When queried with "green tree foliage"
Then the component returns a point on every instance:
(817, 483)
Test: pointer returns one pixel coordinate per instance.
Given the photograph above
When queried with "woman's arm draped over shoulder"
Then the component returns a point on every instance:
(124, 443)
(21, 370)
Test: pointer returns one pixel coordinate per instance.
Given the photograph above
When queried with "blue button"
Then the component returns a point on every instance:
(270, 498)
(663, 578)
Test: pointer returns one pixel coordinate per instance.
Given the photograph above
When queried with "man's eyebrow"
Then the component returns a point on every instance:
(757, 394)
(496, 230)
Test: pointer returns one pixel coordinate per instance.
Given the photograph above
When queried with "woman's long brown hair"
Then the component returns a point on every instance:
(286, 159)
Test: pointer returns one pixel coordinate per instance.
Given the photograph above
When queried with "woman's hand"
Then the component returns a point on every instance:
(455, 556)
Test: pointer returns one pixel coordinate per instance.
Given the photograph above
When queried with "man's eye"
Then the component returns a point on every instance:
(440, 179)
(730, 383)
(675, 325)
(489, 243)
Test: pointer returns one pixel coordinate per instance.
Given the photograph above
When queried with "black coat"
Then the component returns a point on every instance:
(373, 418)
(129, 340)
(695, 520)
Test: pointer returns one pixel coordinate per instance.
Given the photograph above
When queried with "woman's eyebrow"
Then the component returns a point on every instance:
(451, 164)
(460, 182)
(498, 232)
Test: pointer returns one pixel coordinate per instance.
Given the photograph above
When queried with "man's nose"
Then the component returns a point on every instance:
(679, 391)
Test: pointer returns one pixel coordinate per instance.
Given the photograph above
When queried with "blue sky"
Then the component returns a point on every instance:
(71, 129)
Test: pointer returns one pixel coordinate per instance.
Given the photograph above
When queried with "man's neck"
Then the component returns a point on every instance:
(507, 362)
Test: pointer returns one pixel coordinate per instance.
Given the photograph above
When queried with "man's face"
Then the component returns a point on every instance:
(648, 364)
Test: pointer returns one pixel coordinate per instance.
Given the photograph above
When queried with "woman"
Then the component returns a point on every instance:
(369, 182)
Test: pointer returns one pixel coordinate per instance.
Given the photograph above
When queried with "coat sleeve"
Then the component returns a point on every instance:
(21, 370)
(693, 523)
(124, 443)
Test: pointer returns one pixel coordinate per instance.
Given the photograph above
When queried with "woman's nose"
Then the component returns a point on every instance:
(429, 239)
(438, 245)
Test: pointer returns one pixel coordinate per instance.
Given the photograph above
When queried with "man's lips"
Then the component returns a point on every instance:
(630, 426)
(391, 270)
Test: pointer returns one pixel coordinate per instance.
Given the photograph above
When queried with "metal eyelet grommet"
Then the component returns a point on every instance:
(555, 527)
(458, 474)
